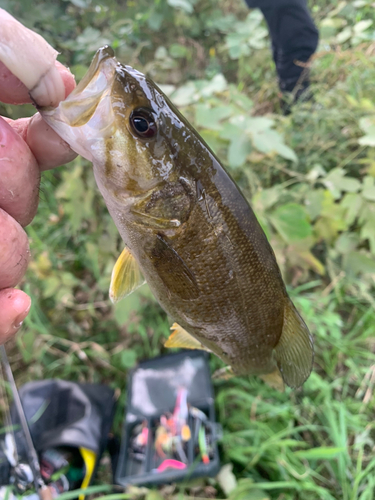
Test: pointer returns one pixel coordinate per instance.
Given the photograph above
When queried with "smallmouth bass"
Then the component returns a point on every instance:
(188, 230)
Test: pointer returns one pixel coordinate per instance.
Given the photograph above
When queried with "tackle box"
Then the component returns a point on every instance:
(153, 388)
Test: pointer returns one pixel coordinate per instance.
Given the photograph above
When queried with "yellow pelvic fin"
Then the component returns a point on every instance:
(181, 338)
(274, 380)
(126, 277)
(225, 373)
(295, 350)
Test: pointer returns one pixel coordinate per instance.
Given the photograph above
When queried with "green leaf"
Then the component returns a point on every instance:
(185, 95)
(125, 308)
(177, 50)
(90, 39)
(92, 252)
(285, 151)
(357, 262)
(82, 4)
(344, 35)
(369, 193)
(291, 222)
(329, 26)
(50, 286)
(352, 203)
(336, 181)
(347, 242)
(210, 118)
(362, 25)
(78, 199)
(266, 198)
(239, 148)
(332, 218)
(128, 358)
(368, 126)
(268, 141)
(79, 71)
(230, 131)
(212, 139)
(368, 232)
(314, 202)
(259, 124)
(243, 102)
(28, 338)
(185, 5)
(216, 85)
(155, 21)
(191, 92)
(237, 46)
(68, 279)
(321, 453)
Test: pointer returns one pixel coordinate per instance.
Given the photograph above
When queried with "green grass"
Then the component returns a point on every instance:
(318, 441)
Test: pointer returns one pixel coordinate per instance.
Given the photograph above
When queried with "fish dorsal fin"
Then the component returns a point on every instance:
(294, 352)
(181, 338)
(126, 277)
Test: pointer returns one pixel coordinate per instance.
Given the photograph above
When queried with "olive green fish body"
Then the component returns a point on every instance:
(216, 274)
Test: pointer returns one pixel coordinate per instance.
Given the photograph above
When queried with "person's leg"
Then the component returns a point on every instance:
(294, 38)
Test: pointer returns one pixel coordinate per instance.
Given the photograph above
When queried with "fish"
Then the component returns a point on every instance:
(188, 230)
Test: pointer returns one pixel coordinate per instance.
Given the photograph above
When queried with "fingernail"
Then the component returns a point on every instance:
(20, 318)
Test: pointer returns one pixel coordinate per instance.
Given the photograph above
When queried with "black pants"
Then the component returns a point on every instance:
(294, 36)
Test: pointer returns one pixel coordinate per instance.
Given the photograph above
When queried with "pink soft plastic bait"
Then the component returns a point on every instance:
(170, 463)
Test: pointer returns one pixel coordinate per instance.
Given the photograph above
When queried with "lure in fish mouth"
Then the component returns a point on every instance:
(188, 230)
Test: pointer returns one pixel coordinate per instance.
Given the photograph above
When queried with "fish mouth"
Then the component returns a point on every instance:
(87, 114)
(96, 85)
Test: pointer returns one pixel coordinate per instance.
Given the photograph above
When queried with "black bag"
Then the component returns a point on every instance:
(64, 414)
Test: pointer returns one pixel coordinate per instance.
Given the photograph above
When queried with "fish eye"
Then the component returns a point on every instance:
(143, 123)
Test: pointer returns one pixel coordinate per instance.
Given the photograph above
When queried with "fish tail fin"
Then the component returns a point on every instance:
(294, 352)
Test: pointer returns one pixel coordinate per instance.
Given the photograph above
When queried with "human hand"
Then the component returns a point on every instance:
(27, 147)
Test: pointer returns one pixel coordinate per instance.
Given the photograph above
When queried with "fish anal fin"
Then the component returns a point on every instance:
(126, 277)
(294, 352)
(181, 338)
(274, 380)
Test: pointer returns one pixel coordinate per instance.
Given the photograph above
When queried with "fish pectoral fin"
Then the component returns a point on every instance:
(154, 222)
(294, 352)
(225, 373)
(274, 380)
(176, 275)
(126, 277)
(181, 338)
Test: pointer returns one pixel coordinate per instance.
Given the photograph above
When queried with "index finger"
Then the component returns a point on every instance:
(13, 91)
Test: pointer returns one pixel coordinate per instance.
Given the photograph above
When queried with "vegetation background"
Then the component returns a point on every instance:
(310, 178)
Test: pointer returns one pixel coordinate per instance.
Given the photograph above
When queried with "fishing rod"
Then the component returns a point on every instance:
(42, 490)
